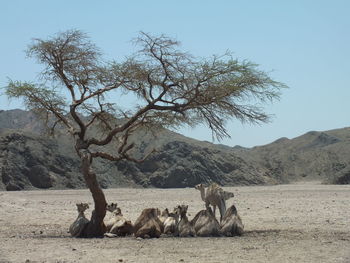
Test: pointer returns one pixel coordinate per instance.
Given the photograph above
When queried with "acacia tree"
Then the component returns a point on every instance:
(78, 90)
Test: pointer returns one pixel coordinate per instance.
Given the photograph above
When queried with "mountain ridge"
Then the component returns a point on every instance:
(29, 160)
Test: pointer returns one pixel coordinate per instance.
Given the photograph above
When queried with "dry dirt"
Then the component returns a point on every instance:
(285, 223)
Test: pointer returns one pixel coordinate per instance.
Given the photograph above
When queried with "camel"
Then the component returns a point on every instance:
(148, 224)
(164, 215)
(205, 223)
(231, 224)
(77, 227)
(112, 220)
(171, 222)
(184, 228)
(118, 225)
(215, 196)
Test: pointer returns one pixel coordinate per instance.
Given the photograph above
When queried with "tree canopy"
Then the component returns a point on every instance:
(173, 87)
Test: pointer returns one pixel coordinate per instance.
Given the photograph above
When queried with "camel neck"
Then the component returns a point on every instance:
(202, 194)
(81, 214)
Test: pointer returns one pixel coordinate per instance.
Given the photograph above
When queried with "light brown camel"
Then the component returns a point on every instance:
(205, 224)
(164, 215)
(214, 196)
(148, 224)
(184, 228)
(77, 227)
(171, 222)
(112, 220)
(118, 225)
(231, 224)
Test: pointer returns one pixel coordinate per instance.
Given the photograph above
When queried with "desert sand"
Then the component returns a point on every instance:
(283, 223)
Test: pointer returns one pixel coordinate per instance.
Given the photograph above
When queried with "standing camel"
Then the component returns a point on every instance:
(215, 196)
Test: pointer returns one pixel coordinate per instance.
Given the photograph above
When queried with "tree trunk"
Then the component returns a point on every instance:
(96, 227)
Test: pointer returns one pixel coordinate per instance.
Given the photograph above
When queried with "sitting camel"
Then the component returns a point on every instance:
(215, 196)
(118, 225)
(205, 223)
(110, 222)
(171, 222)
(231, 224)
(77, 227)
(164, 215)
(184, 228)
(148, 224)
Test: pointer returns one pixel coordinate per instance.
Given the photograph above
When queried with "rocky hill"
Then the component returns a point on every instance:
(322, 156)
(29, 160)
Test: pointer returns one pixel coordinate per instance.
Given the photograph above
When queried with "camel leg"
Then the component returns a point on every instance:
(222, 209)
(239, 226)
(142, 232)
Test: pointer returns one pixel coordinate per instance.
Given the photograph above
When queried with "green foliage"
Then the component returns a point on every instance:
(36, 97)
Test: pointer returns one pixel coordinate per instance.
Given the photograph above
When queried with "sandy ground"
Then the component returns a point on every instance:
(285, 223)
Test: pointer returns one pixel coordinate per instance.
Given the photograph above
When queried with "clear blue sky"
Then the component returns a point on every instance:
(304, 43)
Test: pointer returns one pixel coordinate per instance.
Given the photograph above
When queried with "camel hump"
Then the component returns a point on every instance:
(232, 210)
(214, 186)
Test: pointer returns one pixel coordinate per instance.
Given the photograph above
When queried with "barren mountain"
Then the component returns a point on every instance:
(30, 160)
(322, 156)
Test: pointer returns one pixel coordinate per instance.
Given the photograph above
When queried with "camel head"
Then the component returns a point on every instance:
(118, 211)
(112, 207)
(165, 212)
(82, 207)
(182, 210)
(176, 211)
(199, 187)
(228, 195)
